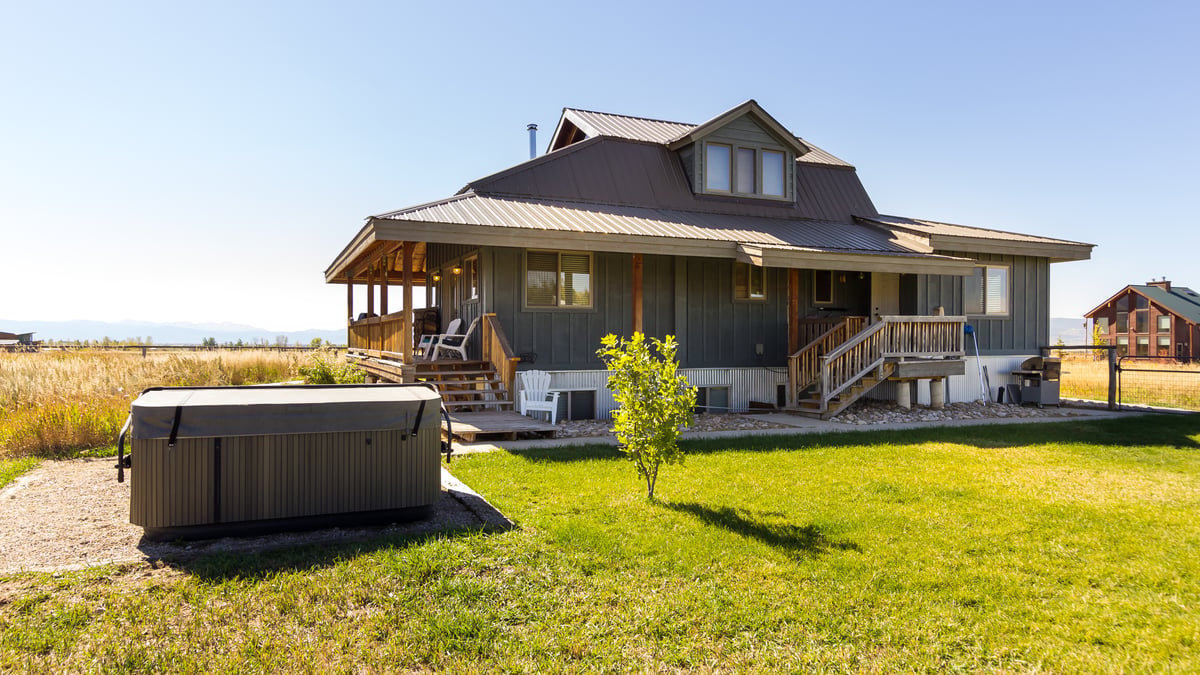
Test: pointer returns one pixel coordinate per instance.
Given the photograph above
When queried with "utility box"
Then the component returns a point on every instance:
(220, 461)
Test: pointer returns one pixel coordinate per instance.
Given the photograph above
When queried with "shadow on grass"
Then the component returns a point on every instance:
(240, 564)
(1125, 432)
(794, 539)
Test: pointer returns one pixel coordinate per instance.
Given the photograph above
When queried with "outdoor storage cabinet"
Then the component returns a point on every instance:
(211, 461)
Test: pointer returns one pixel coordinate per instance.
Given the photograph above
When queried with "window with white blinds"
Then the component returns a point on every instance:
(558, 279)
(986, 291)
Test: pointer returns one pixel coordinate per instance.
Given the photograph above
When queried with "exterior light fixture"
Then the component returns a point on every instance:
(456, 269)
(437, 278)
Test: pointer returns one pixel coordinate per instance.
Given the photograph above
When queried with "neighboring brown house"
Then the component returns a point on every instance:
(1155, 319)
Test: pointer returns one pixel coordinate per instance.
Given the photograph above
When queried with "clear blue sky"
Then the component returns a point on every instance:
(206, 161)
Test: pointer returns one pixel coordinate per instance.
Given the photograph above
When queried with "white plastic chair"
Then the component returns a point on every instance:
(536, 395)
(455, 343)
(427, 347)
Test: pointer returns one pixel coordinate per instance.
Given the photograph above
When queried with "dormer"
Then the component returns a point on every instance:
(741, 153)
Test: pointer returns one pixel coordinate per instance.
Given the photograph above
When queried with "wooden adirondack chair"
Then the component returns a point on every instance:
(536, 395)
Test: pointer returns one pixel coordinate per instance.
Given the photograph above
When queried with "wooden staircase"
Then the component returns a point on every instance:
(466, 386)
(848, 360)
(809, 403)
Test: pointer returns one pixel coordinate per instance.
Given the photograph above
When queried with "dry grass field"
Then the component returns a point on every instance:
(1143, 382)
(57, 403)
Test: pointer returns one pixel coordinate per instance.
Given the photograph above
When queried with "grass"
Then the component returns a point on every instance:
(11, 468)
(1067, 547)
(54, 404)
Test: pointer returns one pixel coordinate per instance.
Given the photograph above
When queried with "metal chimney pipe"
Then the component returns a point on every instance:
(532, 128)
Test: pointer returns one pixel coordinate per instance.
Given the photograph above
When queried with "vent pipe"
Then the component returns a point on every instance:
(532, 128)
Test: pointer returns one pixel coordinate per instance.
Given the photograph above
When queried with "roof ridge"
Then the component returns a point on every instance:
(631, 117)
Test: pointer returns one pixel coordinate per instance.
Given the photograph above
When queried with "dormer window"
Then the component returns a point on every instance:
(745, 171)
(717, 174)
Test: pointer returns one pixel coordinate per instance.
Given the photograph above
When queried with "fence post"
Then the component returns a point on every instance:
(1112, 378)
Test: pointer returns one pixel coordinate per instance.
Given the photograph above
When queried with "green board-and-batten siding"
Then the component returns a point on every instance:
(1023, 331)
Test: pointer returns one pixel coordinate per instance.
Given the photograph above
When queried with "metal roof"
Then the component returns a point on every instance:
(1180, 300)
(930, 227)
(552, 215)
(950, 237)
(663, 132)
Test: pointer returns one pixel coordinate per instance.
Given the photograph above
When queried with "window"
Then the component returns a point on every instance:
(1122, 322)
(1102, 325)
(554, 279)
(1143, 345)
(471, 278)
(1164, 323)
(772, 173)
(1141, 321)
(1164, 345)
(1122, 345)
(712, 399)
(716, 171)
(823, 286)
(745, 171)
(986, 291)
(747, 281)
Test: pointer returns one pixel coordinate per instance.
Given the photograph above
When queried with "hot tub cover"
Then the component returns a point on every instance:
(200, 412)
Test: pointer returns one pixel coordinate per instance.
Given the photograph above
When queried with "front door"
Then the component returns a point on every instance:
(885, 294)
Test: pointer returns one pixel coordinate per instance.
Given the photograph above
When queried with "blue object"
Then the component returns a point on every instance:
(969, 328)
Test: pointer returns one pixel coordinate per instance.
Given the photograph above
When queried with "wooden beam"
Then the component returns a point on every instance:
(371, 291)
(637, 293)
(349, 298)
(407, 338)
(793, 310)
(383, 285)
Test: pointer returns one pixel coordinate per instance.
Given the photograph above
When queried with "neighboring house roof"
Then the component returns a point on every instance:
(1180, 300)
(616, 183)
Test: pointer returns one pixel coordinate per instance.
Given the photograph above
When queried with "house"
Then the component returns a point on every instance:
(18, 342)
(1152, 320)
(760, 251)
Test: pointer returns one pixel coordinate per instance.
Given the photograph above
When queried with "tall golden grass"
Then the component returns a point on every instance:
(56, 403)
(1150, 382)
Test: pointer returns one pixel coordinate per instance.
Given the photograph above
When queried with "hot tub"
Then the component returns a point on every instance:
(218, 461)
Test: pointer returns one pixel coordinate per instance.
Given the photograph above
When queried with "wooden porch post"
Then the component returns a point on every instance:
(349, 297)
(383, 287)
(637, 293)
(406, 334)
(371, 290)
(793, 311)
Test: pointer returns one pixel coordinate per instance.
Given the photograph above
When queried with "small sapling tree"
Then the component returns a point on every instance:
(654, 400)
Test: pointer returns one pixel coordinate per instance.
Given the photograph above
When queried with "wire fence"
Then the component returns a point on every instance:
(1097, 373)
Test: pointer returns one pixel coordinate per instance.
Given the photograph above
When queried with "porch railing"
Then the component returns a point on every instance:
(820, 336)
(496, 350)
(380, 335)
(842, 356)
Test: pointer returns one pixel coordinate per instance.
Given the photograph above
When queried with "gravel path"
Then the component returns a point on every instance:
(73, 514)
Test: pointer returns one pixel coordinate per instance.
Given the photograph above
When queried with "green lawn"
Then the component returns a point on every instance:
(11, 468)
(1052, 547)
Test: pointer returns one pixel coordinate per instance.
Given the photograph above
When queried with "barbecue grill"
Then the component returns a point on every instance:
(1039, 380)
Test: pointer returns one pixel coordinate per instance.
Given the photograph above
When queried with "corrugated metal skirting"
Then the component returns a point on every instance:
(745, 384)
(962, 388)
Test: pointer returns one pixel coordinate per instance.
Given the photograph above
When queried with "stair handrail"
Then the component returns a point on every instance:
(496, 350)
(889, 337)
(804, 368)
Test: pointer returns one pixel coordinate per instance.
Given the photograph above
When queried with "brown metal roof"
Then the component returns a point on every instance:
(948, 236)
(646, 130)
(619, 171)
(552, 215)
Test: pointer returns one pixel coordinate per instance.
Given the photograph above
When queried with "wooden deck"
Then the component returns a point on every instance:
(470, 426)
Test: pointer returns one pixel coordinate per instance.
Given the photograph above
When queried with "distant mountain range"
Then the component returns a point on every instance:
(1071, 331)
(165, 333)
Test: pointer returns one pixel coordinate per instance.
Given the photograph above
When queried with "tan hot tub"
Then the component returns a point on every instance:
(218, 461)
